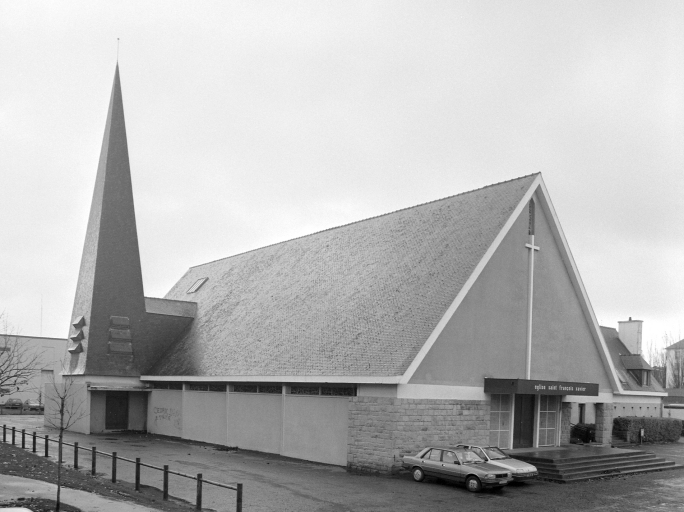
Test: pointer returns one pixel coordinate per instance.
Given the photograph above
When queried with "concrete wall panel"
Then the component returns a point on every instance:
(204, 416)
(165, 412)
(137, 411)
(255, 421)
(315, 428)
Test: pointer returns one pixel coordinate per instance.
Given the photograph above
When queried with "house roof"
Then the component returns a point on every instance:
(624, 360)
(635, 363)
(356, 300)
(676, 346)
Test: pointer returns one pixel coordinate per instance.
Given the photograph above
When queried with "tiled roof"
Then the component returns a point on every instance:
(624, 360)
(676, 346)
(356, 300)
(635, 363)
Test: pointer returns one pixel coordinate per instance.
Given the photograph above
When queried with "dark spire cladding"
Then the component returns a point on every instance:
(109, 306)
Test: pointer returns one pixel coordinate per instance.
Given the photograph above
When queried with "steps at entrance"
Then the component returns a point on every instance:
(573, 464)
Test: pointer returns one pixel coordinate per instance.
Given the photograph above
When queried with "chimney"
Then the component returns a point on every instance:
(630, 334)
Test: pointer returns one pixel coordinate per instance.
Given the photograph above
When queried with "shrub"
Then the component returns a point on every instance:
(585, 432)
(656, 430)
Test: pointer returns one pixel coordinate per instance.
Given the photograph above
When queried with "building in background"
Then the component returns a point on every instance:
(50, 355)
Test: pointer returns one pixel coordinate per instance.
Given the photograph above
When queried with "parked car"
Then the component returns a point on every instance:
(521, 470)
(33, 405)
(13, 403)
(458, 464)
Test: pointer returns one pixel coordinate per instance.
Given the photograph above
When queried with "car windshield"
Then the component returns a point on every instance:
(468, 457)
(494, 453)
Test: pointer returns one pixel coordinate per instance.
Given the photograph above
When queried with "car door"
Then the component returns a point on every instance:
(451, 467)
(432, 463)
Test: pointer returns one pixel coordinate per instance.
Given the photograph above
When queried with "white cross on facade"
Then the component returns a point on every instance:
(530, 291)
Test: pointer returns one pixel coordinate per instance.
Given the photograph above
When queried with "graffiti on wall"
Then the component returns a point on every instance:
(167, 415)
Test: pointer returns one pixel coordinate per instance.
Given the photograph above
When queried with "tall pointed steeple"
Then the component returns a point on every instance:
(109, 307)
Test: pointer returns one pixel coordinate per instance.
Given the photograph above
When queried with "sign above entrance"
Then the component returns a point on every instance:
(540, 387)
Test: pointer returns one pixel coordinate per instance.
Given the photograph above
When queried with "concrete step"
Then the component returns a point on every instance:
(607, 468)
(666, 465)
(603, 461)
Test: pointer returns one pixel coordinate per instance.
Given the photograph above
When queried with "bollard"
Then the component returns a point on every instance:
(238, 506)
(113, 467)
(4, 433)
(23, 438)
(34, 442)
(92, 471)
(46, 445)
(13, 431)
(166, 483)
(75, 454)
(198, 505)
(137, 474)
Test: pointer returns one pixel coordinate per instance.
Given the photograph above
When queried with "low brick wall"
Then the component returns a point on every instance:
(381, 430)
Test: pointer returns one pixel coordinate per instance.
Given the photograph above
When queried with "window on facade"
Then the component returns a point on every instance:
(196, 386)
(305, 390)
(245, 388)
(217, 387)
(269, 388)
(548, 419)
(338, 391)
(167, 385)
(197, 285)
(500, 421)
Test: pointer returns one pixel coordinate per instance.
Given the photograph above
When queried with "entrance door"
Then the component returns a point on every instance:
(116, 410)
(523, 421)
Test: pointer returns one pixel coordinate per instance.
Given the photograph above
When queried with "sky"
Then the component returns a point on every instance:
(251, 123)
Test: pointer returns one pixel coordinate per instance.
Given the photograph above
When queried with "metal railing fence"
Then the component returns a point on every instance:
(115, 458)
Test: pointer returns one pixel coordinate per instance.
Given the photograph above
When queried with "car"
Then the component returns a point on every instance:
(521, 470)
(457, 464)
(13, 403)
(33, 405)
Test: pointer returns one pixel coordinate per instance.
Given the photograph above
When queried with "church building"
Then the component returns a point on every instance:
(460, 320)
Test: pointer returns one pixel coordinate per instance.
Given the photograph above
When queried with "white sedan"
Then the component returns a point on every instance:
(521, 470)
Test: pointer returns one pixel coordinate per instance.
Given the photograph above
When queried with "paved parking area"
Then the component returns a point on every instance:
(274, 483)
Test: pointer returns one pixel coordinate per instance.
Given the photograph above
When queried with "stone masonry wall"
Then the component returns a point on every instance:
(604, 423)
(566, 411)
(381, 430)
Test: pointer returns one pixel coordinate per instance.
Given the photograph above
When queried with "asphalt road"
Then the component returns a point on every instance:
(274, 483)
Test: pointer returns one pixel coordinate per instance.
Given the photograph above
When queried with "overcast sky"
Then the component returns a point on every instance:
(251, 123)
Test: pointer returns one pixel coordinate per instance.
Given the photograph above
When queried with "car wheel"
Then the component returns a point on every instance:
(418, 474)
(473, 484)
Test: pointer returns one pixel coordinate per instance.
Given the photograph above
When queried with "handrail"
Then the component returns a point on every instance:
(94, 451)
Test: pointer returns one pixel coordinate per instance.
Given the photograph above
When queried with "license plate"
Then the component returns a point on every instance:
(503, 481)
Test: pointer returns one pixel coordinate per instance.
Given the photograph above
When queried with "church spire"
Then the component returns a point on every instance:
(109, 306)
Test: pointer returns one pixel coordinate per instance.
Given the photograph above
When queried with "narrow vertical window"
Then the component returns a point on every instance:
(530, 228)
(500, 421)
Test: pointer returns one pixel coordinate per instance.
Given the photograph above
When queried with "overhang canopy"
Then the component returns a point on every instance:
(540, 387)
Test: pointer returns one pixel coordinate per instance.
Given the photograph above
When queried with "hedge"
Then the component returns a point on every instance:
(656, 430)
(585, 432)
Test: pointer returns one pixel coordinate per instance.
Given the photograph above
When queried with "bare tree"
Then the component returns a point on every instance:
(656, 356)
(64, 406)
(18, 360)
